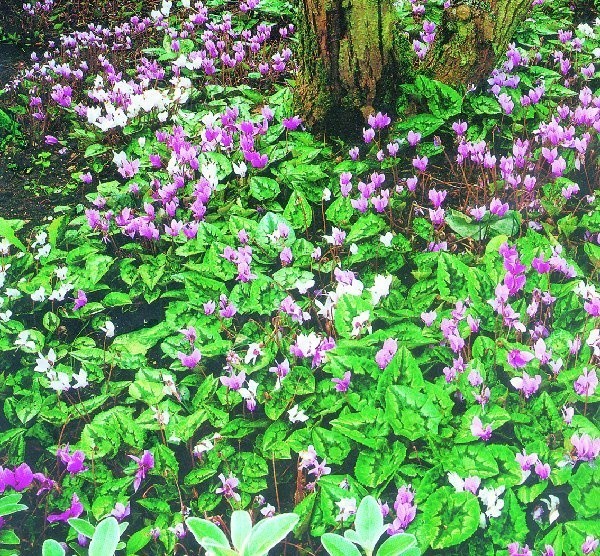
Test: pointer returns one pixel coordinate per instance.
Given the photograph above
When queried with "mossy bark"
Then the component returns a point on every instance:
(353, 56)
(350, 58)
(472, 37)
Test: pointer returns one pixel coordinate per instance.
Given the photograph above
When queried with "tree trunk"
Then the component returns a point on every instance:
(348, 52)
(353, 56)
(473, 36)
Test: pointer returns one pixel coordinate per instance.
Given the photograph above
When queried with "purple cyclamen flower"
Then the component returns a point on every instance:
(342, 384)
(540, 265)
(145, 462)
(191, 360)
(385, 355)
(80, 300)
(74, 510)
(19, 479)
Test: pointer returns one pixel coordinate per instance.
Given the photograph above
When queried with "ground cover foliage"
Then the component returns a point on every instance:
(242, 316)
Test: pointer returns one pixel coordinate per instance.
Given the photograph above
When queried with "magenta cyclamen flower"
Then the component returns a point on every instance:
(529, 385)
(19, 479)
(420, 163)
(514, 549)
(292, 123)
(478, 430)
(379, 120)
(228, 488)
(542, 470)
(518, 358)
(80, 300)
(191, 360)
(144, 463)
(74, 461)
(74, 510)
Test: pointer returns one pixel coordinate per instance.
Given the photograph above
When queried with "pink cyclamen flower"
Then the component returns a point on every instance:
(586, 448)
(437, 197)
(460, 128)
(428, 317)
(477, 429)
(385, 355)
(586, 383)
(413, 138)
(121, 511)
(498, 208)
(542, 470)
(589, 545)
(518, 358)
(228, 487)
(506, 103)
(74, 510)
(529, 385)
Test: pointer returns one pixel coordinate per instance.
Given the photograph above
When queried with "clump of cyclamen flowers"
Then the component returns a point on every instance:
(406, 510)
(308, 461)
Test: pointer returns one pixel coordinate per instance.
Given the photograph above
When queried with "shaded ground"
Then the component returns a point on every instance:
(22, 185)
